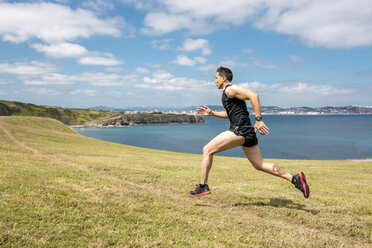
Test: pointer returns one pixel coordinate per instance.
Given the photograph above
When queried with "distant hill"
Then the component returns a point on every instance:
(66, 116)
(329, 110)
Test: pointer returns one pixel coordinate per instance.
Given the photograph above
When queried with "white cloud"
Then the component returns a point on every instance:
(3, 81)
(198, 44)
(36, 73)
(297, 89)
(114, 69)
(99, 60)
(305, 89)
(92, 78)
(201, 60)
(341, 24)
(43, 91)
(161, 23)
(229, 63)
(165, 81)
(57, 25)
(52, 23)
(346, 24)
(184, 61)
(199, 17)
(208, 68)
(85, 57)
(284, 62)
(148, 81)
(161, 44)
(2, 92)
(61, 50)
(142, 5)
(153, 65)
(264, 65)
(162, 75)
(99, 6)
(254, 85)
(100, 79)
(85, 92)
(115, 93)
(32, 68)
(104, 79)
(234, 11)
(142, 70)
(39, 82)
(159, 87)
(49, 79)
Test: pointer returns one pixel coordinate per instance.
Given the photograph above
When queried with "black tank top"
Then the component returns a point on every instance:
(236, 110)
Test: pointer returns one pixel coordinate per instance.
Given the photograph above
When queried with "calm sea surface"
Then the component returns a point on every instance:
(291, 137)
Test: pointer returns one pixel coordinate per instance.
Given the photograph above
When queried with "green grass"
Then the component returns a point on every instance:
(60, 189)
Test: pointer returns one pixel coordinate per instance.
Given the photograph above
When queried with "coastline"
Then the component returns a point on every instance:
(87, 126)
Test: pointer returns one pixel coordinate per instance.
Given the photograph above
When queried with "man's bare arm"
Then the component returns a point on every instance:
(208, 112)
(220, 114)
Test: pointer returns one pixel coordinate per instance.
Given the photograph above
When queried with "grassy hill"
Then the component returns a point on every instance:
(67, 116)
(60, 189)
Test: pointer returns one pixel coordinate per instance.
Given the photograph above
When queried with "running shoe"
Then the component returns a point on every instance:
(199, 190)
(299, 182)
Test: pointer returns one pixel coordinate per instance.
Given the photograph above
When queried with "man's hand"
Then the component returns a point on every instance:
(204, 111)
(261, 127)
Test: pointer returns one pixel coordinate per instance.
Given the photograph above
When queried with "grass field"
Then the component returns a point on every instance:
(60, 189)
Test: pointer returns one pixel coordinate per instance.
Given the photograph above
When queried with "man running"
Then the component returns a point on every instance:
(241, 133)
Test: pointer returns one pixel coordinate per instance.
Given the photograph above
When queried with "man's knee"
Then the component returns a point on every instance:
(207, 150)
(257, 165)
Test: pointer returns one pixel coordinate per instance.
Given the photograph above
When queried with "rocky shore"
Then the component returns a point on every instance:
(141, 119)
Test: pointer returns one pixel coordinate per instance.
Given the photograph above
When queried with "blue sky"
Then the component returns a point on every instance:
(128, 53)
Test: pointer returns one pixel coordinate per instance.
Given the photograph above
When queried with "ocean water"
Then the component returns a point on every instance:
(290, 137)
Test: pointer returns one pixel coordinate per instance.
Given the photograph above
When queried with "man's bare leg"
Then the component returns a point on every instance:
(221, 142)
(254, 156)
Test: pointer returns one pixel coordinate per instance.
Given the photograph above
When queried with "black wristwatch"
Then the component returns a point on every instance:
(258, 118)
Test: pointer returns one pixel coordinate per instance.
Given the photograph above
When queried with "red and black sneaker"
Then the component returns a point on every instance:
(299, 182)
(200, 190)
